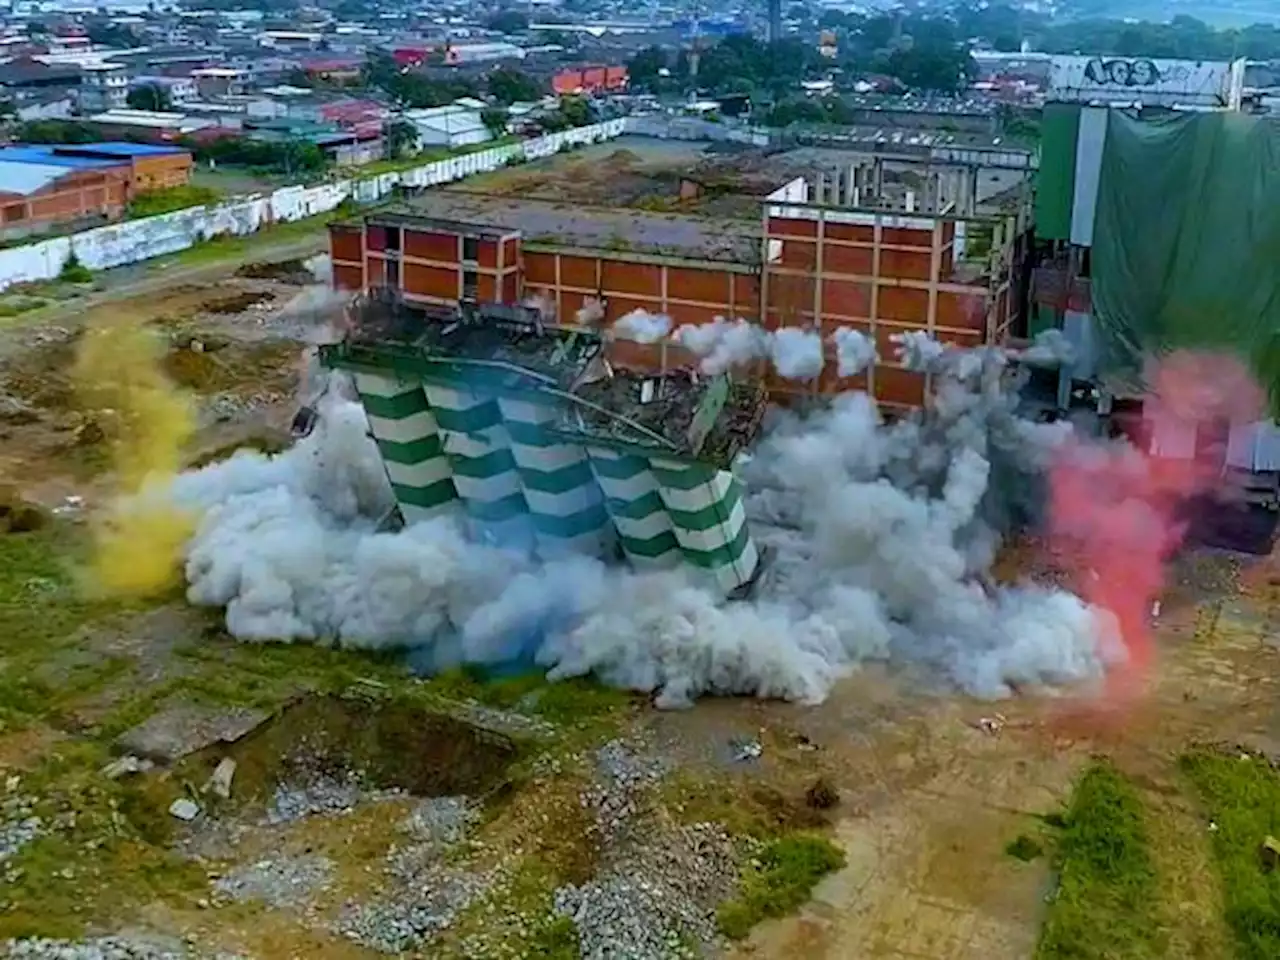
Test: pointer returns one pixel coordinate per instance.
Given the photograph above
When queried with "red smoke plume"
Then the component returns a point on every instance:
(1114, 509)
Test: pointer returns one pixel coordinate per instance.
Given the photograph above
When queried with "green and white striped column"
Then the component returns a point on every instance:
(709, 519)
(484, 471)
(636, 508)
(563, 497)
(409, 440)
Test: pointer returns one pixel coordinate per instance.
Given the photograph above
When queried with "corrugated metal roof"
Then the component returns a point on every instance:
(120, 148)
(26, 178)
(44, 155)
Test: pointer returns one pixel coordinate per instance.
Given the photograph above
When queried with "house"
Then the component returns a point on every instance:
(179, 89)
(218, 81)
(31, 105)
(449, 126)
(144, 166)
(150, 124)
(41, 191)
(28, 74)
(103, 86)
(335, 71)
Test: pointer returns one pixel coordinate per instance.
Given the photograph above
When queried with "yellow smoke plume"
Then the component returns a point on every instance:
(138, 541)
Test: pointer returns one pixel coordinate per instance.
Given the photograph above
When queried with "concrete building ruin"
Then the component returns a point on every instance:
(544, 444)
(845, 246)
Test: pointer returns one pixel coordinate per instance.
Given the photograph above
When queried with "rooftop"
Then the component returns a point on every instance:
(564, 224)
(25, 178)
(44, 155)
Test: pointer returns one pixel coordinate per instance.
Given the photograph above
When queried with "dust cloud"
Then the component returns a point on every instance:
(880, 538)
(139, 541)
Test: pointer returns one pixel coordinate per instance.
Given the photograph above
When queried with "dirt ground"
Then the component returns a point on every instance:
(931, 788)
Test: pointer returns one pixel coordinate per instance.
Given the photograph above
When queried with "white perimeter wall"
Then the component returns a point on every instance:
(135, 240)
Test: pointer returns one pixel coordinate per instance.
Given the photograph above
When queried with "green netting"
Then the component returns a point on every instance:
(1186, 246)
(1056, 180)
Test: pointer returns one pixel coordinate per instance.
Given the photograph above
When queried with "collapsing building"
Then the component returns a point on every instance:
(544, 445)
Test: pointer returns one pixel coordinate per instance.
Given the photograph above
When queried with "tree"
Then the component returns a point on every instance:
(150, 96)
(56, 131)
(508, 21)
(400, 137)
(412, 89)
(112, 35)
(495, 121)
(577, 111)
(645, 69)
(508, 86)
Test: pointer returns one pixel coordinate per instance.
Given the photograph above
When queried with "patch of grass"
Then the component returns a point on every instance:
(16, 306)
(153, 202)
(1106, 901)
(577, 701)
(1242, 796)
(789, 869)
(73, 271)
(228, 247)
(1024, 848)
(94, 864)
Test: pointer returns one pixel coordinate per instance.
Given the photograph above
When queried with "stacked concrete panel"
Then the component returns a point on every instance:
(409, 440)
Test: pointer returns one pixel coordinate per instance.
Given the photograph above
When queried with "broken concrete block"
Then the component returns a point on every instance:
(126, 765)
(184, 809)
(1270, 853)
(181, 728)
(220, 781)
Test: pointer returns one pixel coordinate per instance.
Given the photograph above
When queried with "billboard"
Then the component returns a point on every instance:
(1189, 84)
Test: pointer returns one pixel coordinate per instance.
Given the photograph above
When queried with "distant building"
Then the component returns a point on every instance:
(153, 125)
(218, 81)
(464, 53)
(44, 187)
(334, 71)
(103, 86)
(590, 80)
(450, 126)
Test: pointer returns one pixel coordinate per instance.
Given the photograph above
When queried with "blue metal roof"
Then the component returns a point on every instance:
(121, 148)
(27, 178)
(111, 154)
(43, 154)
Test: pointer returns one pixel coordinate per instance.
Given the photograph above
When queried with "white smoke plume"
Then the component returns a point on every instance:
(590, 313)
(796, 354)
(723, 344)
(1050, 348)
(642, 326)
(855, 351)
(879, 536)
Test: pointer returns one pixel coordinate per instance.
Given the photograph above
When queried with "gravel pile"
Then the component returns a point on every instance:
(103, 948)
(279, 882)
(19, 824)
(658, 898)
(623, 774)
(442, 820)
(417, 911)
(321, 793)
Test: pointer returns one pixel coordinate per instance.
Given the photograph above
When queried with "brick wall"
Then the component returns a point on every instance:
(79, 196)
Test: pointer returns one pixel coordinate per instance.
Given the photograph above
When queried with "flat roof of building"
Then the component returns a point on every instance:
(43, 155)
(25, 178)
(702, 238)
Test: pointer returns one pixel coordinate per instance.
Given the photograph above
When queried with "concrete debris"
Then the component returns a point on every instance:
(126, 766)
(184, 809)
(990, 725)
(101, 948)
(220, 781)
(278, 882)
(747, 751)
(181, 728)
(1269, 851)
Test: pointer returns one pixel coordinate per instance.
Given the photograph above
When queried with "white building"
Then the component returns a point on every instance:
(103, 86)
(451, 126)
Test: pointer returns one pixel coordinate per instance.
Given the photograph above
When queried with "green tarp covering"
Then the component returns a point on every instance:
(1056, 179)
(1186, 249)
